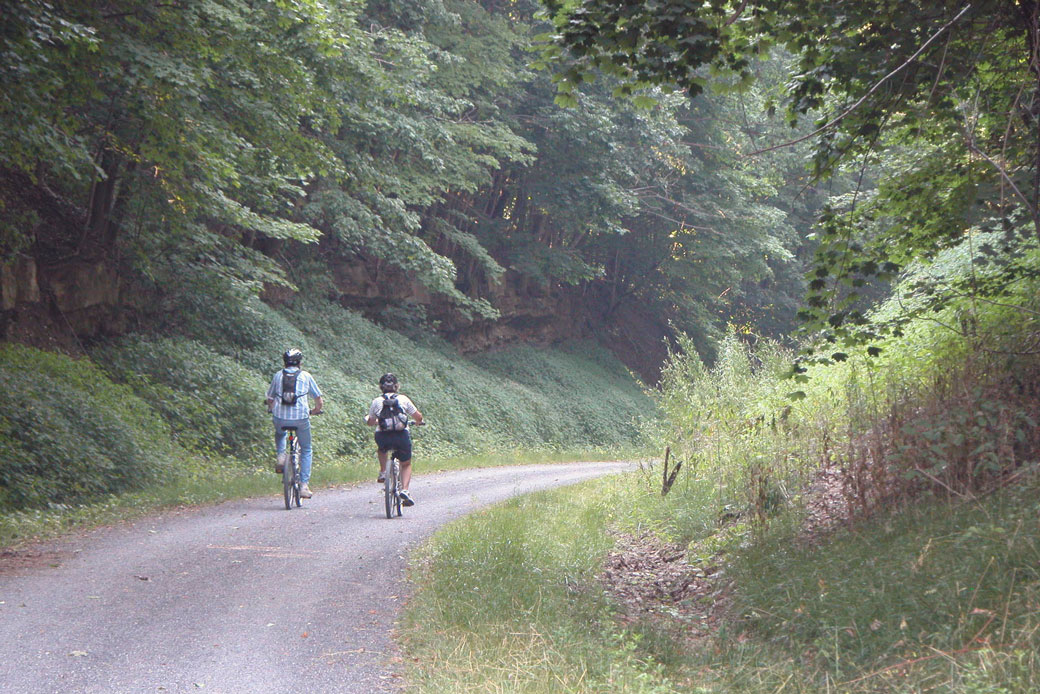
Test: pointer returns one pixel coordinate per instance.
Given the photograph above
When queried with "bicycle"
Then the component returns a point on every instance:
(392, 484)
(291, 483)
(291, 469)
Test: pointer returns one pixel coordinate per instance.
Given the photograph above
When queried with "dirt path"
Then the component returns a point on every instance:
(241, 597)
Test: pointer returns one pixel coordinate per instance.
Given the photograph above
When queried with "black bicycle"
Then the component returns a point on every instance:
(291, 469)
(392, 485)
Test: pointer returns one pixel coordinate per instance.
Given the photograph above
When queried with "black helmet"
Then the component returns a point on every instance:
(388, 383)
(292, 357)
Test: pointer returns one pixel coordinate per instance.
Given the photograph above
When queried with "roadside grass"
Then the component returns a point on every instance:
(941, 597)
(507, 600)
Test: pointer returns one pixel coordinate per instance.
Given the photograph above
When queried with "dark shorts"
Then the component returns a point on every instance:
(401, 441)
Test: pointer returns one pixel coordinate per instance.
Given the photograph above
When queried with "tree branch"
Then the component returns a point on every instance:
(873, 89)
(1033, 212)
(736, 13)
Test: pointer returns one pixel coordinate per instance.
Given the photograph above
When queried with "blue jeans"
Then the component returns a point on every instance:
(303, 436)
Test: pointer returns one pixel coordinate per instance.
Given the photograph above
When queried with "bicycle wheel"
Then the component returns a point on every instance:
(287, 480)
(389, 490)
(296, 478)
(397, 486)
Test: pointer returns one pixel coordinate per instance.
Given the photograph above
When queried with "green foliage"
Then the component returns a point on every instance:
(74, 435)
(515, 587)
(919, 103)
(209, 400)
(195, 392)
(190, 142)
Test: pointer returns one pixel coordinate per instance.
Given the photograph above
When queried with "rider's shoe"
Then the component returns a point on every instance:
(305, 492)
(406, 499)
(381, 478)
(279, 465)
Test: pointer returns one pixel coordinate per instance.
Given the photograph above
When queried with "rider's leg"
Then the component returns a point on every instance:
(404, 451)
(406, 473)
(303, 435)
(381, 456)
(279, 436)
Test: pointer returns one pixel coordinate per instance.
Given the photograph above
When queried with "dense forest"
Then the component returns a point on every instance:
(651, 177)
(404, 159)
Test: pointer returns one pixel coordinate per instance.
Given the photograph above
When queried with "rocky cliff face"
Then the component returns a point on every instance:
(65, 305)
(530, 313)
(61, 305)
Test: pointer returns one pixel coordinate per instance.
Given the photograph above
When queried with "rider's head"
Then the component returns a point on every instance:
(292, 357)
(388, 383)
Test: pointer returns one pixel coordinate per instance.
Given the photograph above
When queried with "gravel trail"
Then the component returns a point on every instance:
(241, 597)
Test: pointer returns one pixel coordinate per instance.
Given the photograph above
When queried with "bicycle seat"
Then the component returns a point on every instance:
(288, 428)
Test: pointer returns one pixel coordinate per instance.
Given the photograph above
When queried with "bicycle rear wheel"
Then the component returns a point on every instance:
(287, 482)
(397, 486)
(389, 488)
(296, 478)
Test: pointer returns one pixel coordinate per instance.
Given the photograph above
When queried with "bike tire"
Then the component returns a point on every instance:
(287, 484)
(388, 490)
(296, 479)
(397, 487)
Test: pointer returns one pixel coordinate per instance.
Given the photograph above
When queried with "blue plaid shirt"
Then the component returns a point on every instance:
(305, 386)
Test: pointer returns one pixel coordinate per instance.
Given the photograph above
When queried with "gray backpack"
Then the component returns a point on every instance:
(392, 417)
(289, 396)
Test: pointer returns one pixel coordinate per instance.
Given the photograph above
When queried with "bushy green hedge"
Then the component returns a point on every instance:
(126, 417)
(210, 401)
(72, 434)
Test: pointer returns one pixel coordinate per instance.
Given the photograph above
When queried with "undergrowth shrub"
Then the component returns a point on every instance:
(193, 387)
(211, 401)
(962, 430)
(74, 435)
(960, 419)
(733, 423)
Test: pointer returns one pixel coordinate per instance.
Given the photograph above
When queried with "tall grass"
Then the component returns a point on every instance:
(943, 596)
(509, 601)
(937, 597)
(928, 579)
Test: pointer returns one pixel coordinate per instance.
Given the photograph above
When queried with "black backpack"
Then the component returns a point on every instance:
(289, 387)
(392, 417)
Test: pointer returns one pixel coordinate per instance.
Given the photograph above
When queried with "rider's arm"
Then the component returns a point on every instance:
(318, 403)
(417, 416)
(271, 393)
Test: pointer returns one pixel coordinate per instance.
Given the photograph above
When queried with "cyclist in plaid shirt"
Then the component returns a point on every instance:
(294, 415)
